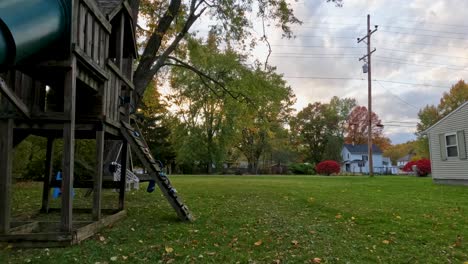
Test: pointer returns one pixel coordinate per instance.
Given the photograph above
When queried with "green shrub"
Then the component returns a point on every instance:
(302, 168)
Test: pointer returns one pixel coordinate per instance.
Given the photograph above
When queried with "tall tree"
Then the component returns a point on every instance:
(315, 124)
(168, 23)
(357, 128)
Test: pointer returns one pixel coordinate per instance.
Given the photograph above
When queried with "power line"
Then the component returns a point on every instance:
(399, 98)
(421, 65)
(362, 79)
(424, 35)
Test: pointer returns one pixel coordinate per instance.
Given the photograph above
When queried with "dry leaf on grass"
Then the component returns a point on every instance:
(169, 249)
(258, 243)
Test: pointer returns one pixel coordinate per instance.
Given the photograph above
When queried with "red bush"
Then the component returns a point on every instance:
(327, 167)
(423, 165)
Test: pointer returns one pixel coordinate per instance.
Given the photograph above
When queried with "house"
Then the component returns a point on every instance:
(401, 162)
(447, 147)
(356, 159)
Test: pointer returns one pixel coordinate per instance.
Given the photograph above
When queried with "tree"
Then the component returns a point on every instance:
(342, 107)
(315, 124)
(155, 123)
(457, 95)
(168, 24)
(357, 128)
(430, 114)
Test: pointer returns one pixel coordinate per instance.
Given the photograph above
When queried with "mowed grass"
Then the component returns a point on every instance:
(277, 219)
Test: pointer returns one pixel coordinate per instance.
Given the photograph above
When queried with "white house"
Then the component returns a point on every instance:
(356, 159)
(401, 162)
(447, 146)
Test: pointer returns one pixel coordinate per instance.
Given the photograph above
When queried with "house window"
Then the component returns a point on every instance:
(451, 145)
(348, 155)
(365, 158)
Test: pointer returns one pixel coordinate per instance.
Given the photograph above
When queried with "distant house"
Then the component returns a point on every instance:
(356, 159)
(447, 146)
(401, 162)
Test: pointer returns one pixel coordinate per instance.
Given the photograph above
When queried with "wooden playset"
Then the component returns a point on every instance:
(66, 73)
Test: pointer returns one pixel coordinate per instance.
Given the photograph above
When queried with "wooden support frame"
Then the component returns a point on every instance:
(69, 106)
(47, 175)
(6, 147)
(14, 99)
(123, 174)
(97, 186)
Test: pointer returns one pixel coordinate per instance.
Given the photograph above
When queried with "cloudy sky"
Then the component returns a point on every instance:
(421, 51)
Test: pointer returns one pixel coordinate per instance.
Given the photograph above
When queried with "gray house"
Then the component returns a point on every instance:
(447, 146)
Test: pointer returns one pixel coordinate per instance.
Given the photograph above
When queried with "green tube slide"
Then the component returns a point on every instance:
(29, 26)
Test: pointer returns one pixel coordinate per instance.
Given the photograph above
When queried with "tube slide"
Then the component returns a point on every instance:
(29, 26)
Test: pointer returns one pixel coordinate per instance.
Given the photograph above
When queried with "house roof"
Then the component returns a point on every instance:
(362, 148)
(407, 157)
(445, 117)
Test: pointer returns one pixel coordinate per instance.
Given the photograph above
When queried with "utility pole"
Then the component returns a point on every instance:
(367, 40)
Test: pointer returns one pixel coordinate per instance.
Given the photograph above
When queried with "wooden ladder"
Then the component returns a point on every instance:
(139, 146)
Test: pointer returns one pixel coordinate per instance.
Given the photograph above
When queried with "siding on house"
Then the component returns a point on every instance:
(453, 168)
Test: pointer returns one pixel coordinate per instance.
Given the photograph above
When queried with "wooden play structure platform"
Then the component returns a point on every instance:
(66, 73)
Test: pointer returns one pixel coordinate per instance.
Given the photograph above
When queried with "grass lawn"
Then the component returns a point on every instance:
(276, 219)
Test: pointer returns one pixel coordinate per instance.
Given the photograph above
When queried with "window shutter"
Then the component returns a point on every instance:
(461, 144)
(443, 148)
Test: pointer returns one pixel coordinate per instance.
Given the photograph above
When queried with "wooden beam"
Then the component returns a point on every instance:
(123, 174)
(97, 188)
(119, 47)
(24, 227)
(6, 156)
(91, 229)
(89, 64)
(14, 99)
(48, 172)
(69, 107)
(92, 5)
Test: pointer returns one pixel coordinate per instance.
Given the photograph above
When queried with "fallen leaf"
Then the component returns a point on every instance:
(276, 261)
(386, 242)
(398, 217)
(258, 243)
(211, 253)
(295, 242)
(114, 258)
(170, 260)
(124, 257)
(338, 216)
(169, 249)
(102, 239)
(316, 260)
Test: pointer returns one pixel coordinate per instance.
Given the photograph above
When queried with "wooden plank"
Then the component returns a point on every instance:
(123, 174)
(119, 73)
(92, 5)
(91, 229)
(82, 26)
(56, 236)
(69, 106)
(97, 188)
(89, 35)
(119, 47)
(102, 47)
(92, 66)
(96, 42)
(47, 175)
(24, 228)
(14, 99)
(6, 148)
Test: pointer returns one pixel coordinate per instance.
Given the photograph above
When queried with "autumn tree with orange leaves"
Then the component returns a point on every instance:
(357, 128)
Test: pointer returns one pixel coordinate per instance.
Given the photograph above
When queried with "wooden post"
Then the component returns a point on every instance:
(6, 148)
(97, 188)
(69, 107)
(123, 174)
(47, 175)
(120, 43)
